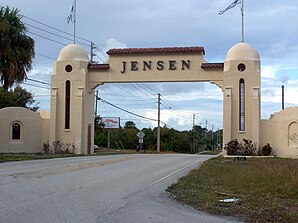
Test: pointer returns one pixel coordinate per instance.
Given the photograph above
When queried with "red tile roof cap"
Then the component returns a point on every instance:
(212, 65)
(98, 66)
(164, 50)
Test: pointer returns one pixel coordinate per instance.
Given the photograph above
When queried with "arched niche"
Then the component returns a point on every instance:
(293, 134)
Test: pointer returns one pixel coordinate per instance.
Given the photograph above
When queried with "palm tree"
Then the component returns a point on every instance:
(98, 124)
(16, 48)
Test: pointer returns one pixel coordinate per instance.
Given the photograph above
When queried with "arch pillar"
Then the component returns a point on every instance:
(71, 66)
(242, 64)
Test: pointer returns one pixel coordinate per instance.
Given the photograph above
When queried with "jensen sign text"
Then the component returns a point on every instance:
(158, 65)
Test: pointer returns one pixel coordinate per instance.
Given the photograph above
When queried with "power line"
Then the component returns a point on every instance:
(150, 95)
(134, 104)
(146, 85)
(122, 109)
(123, 98)
(176, 112)
(59, 30)
(60, 36)
(40, 95)
(174, 108)
(90, 43)
(33, 85)
(128, 92)
(101, 52)
(140, 116)
(98, 58)
(143, 87)
(37, 81)
(48, 31)
(45, 56)
(64, 44)
(66, 38)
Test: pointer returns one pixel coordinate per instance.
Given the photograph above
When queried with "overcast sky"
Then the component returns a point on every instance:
(270, 26)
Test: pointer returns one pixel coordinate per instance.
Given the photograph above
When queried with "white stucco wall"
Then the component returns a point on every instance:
(34, 130)
(281, 131)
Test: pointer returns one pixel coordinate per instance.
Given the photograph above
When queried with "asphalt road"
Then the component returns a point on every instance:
(109, 189)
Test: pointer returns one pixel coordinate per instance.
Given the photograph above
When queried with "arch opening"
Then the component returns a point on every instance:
(194, 108)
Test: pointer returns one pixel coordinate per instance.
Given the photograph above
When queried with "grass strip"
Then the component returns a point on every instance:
(267, 189)
(9, 157)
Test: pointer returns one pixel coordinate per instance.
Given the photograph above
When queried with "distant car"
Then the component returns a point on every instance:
(95, 147)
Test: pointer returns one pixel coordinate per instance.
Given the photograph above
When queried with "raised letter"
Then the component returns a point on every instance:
(123, 67)
(147, 64)
(172, 65)
(160, 65)
(185, 64)
(134, 65)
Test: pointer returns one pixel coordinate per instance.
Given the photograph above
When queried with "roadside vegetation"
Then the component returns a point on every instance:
(267, 189)
(18, 97)
(193, 141)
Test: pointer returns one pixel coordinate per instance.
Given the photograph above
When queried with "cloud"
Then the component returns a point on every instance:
(113, 43)
(195, 91)
(284, 79)
(269, 26)
(269, 71)
(170, 118)
(41, 71)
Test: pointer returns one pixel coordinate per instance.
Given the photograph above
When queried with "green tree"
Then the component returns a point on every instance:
(130, 125)
(19, 97)
(126, 136)
(16, 48)
(149, 139)
(101, 138)
(191, 141)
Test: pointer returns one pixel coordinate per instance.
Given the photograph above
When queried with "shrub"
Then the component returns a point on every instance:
(46, 147)
(232, 147)
(249, 148)
(245, 148)
(266, 150)
(60, 148)
(57, 146)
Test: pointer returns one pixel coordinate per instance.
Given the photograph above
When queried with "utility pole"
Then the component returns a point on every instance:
(96, 98)
(212, 137)
(193, 146)
(158, 123)
(109, 138)
(282, 97)
(91, 53)
(206, 125)
(193, 120)
(217, 139)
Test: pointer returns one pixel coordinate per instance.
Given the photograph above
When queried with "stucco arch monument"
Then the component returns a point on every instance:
(74, 80)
